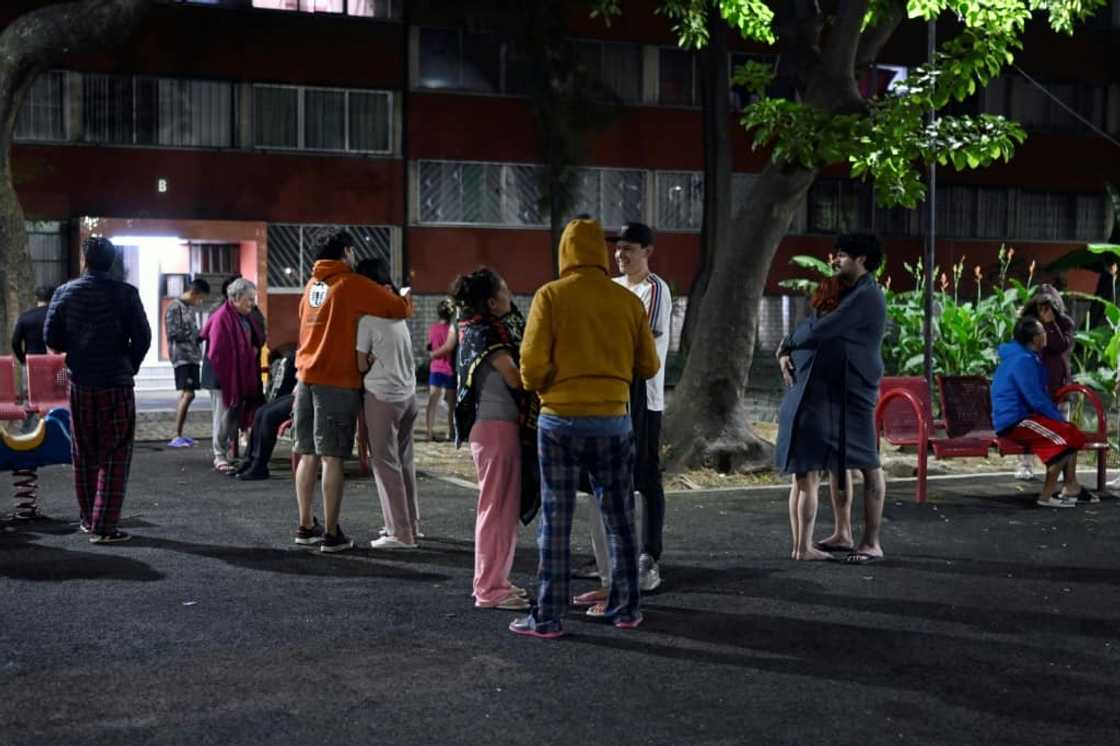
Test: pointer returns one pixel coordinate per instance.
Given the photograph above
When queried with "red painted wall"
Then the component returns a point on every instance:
(75, 180)
(522, 258)
(283, 319)
(463, 127)
(437, 255)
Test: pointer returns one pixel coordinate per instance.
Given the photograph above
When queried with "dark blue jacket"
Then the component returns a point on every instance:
(1019, 388)
(100, 324)
(839, 362)
(27, 339)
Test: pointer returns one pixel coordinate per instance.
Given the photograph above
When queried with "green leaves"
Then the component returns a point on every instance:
(754, 76)
(892, 140)
(753, 18)
(821, 267)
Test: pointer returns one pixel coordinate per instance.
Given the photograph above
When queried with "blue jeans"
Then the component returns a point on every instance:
(604, 447)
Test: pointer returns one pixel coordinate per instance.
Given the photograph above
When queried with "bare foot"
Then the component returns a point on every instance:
(813, 555)
(836, 543)
(869, 551)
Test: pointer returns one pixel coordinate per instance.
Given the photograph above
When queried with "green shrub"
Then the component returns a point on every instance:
(972, 318)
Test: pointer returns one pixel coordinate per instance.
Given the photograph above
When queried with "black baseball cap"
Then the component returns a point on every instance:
(638, 233)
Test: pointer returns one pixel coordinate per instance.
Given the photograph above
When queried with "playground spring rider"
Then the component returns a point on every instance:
(47, 444)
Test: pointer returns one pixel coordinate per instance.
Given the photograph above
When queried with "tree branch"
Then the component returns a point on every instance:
(839, 52)
(872, 40)
(797, 26)
(832, 88)
(41, 39)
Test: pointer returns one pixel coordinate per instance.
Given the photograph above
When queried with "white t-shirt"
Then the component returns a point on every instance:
(392, 377)
(654, 294)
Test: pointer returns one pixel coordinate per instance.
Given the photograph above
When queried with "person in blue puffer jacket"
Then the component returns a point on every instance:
(1023, 411)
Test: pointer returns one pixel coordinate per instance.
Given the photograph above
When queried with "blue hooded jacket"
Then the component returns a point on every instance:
(1019, 388)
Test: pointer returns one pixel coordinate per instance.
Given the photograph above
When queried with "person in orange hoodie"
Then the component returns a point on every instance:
(328, 397)
(586, 340)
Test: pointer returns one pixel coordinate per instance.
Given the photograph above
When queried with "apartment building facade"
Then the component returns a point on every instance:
(229, 134)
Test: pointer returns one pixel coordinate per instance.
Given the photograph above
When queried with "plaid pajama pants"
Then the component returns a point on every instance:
(104, 423)
(565, 450)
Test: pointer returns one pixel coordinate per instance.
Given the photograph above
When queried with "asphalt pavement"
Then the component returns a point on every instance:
(989, 621)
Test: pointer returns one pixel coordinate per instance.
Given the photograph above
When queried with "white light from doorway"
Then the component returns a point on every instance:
(148, 242)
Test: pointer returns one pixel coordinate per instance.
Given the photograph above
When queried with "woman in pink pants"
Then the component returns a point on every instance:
(487, 410)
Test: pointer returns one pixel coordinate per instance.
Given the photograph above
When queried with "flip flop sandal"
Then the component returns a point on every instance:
(1084, 496)
(861, 558)
(598, 610)
(589, 599)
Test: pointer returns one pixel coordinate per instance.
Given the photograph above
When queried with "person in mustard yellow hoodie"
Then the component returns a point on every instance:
(586, 339)
(328, 397)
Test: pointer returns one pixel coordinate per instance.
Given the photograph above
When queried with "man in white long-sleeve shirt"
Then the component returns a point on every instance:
(633, 248)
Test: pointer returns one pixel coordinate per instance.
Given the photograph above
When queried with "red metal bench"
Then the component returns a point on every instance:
(48, 383)
(10, 406)
(904, 417)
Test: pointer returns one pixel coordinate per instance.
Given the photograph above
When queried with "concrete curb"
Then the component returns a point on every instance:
(761, 488)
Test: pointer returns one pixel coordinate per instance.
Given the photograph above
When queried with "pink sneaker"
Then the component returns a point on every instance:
(629, 623)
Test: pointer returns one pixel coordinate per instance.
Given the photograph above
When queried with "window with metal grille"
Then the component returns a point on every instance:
(680, 200)
(838, 206)
(480, 193)
(107, 109)
(332, 119)
(215, 258)
(184, 113)
(1045, 216)
(43, 116)
(157, 111)
(676, 77)
(1017, 98)
(956, 211)
(292, 249)
(993, 212)
(1091, 218)
(623, 195)
(611, 196)
(46, 241)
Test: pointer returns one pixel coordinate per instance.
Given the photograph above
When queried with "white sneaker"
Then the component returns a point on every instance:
(1024, 473)
(388, 542)
(649, 577)
(1054, 502)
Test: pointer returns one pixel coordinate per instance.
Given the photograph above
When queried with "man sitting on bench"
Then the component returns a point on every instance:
(1023, 412)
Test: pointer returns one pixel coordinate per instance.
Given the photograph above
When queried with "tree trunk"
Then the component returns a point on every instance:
(707, 425)
(30, 45)
(715, 87)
